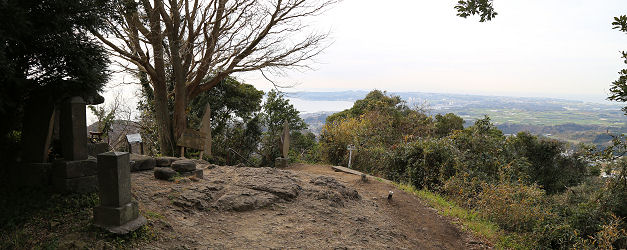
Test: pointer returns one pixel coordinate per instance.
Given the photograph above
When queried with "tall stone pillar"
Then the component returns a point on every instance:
(75, 173)
(74, 129)
(117, 212)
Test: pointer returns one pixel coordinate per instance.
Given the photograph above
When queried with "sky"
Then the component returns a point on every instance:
(533, 48)
(539, 48)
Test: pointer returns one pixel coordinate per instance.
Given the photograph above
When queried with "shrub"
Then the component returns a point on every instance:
(549, 166)
(335, 137)
(611, 236)
(425, 163)
(481, 149)
(514, 207)
(463, 189)
(374, 160)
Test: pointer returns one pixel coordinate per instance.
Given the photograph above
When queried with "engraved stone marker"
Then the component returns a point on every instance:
(117, 213)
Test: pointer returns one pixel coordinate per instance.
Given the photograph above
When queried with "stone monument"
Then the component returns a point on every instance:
(75, 172)
(117, 212)
(197, 139)
(281, 162)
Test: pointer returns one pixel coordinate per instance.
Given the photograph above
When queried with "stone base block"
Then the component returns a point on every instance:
(115, 216)
(74, 169)
(184, 166)
(86, 184)
(165, 161)
(142, 162)
(33, 175)
(198, 173)
(127, 227)
(94, 149)
(281, 162)
(164, 173)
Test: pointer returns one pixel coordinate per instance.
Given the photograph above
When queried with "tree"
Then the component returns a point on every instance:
(229, 101)
(276, 111)
(446, 124)
(374, 100)
(235, 119)
(188, 47)
(46, 55)
(619, 87)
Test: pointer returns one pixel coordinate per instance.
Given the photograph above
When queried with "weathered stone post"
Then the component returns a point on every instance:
(205, 127)
(74, 129)
(281, 162)
(117, 213)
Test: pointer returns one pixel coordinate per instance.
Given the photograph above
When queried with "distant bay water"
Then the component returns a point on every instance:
(310, 106)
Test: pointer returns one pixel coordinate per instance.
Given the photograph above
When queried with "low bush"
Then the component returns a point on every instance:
(425, 163)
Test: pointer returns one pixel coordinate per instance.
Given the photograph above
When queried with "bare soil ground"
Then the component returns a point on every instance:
(304, 206)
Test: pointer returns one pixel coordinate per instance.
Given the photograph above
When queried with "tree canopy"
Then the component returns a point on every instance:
(46, 55)
(188, 47)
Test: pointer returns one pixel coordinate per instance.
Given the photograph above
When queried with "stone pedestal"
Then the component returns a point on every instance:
(117, 213)
(281, 162)
(75, 176)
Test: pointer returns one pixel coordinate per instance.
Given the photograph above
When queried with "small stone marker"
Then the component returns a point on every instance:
(117, 213)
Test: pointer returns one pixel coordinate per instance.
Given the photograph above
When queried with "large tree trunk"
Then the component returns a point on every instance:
(180, 91)
(162, 118)
(166, 137)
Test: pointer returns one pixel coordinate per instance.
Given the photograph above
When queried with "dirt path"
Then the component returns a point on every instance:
(410, 215)
(304, 206)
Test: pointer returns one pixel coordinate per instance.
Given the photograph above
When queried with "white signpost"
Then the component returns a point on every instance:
(350, 148)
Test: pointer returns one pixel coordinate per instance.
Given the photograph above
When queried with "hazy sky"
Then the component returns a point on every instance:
(550, 48)
(546, 48)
